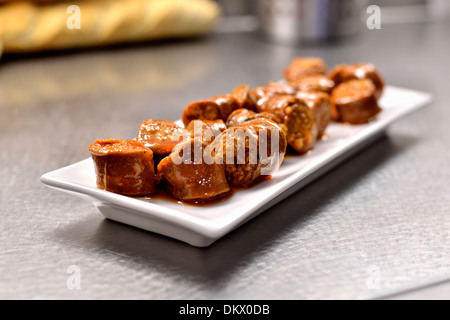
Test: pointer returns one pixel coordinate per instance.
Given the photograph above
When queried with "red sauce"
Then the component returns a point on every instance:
(162, 195)
(290, 153)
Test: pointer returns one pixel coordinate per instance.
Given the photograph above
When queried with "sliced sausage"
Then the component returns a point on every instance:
(295, 118)
(242, 115)
(304, 66)
(249, 150)
(215, 108)
(206, 130)
(161, 135)
(320, 105)
(240, 94)
(316, 82)
(354, 102)
(188, 179)
(273, 88)
(124, 166)
(345, 72)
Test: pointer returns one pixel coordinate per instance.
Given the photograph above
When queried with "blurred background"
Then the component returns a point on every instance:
(244, 7)
(71, 50)
(271, 16)
(53, 51)
(42, 25)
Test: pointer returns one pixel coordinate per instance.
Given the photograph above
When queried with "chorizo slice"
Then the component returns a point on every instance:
(295, 118)
(188, 179)
(320, 105)
(316, 82)
(161, 135)
(273, 88)
(215, 108)
(206, 130)
(304, 66)
(201, 110)
(124, 166)
(354, 102)
(242, 115)
(345, 72)
(249, 150)
(240, 94)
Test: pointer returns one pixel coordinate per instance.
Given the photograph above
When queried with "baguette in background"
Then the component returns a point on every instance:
(27, 27)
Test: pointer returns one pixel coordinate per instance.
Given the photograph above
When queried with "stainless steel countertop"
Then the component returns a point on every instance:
(377, 225)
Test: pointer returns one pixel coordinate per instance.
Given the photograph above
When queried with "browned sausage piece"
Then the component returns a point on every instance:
(304, 66)
(320, 104)
(317, 82)
(345, 72)
(124, 166)
(189, 180)
(249, 150)
(201, 110)
(215, 108)
(295, 118)
(161, 135)
(273, 88)
(240, 94)
(206, 130)
(354, 102)
(242, 115)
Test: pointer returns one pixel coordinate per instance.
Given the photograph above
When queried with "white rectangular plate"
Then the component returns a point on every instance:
(201, 226)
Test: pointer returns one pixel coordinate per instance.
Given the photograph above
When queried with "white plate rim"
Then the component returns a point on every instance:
(202, 232)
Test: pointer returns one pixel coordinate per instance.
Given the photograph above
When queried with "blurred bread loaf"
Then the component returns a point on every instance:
(30, 26)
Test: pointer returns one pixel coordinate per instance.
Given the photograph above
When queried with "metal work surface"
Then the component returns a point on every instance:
(376, 225)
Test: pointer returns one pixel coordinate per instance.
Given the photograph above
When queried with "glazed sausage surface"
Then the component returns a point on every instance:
(304, 66)
(215, 108)
(346, 72)
(295, 118)
(317, 82)
(161, 135)
(189, 180)
(240, 94)
(124, 166)
(242, 115)
(320, 105)
(249, 150)
(206, 130)
(354, 102)
(272, 88)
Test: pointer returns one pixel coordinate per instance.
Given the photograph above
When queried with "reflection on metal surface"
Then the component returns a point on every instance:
(128, 72)
(245, 23)
(293, 21)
